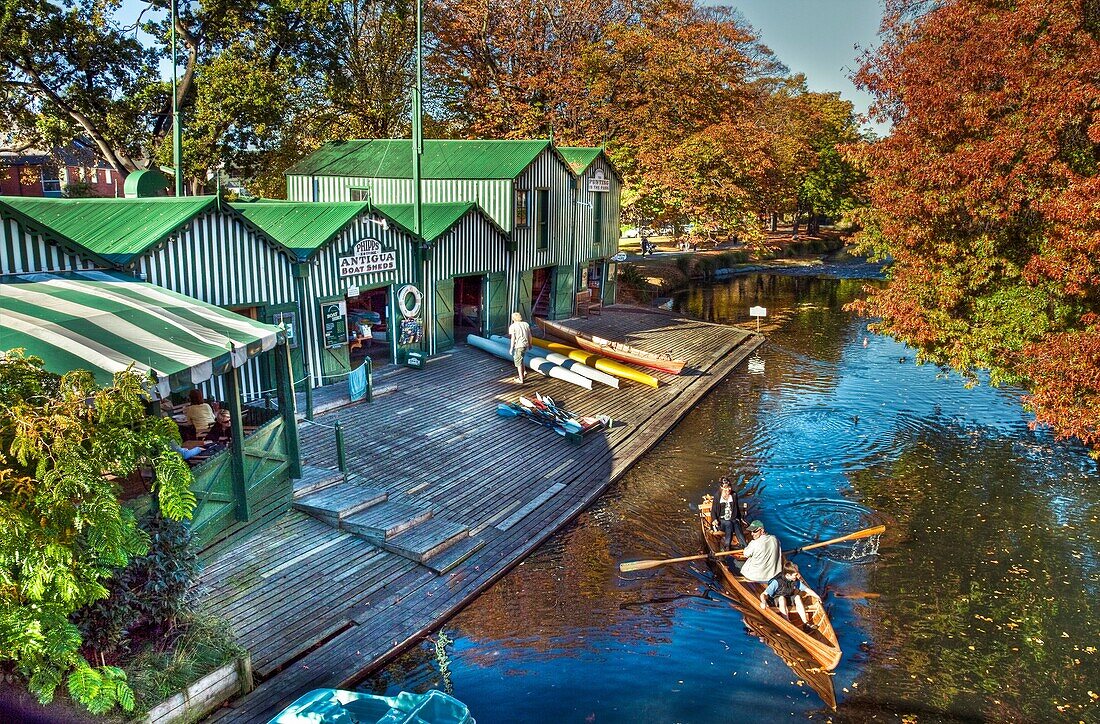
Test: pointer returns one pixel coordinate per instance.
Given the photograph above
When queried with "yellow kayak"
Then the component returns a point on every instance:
(594, 360)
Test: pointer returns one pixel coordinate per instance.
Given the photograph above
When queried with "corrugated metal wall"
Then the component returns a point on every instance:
(324, 281)
(609, 243)
(219, 260)
(493, 195)
(547, 172)
(23, 251)
(472, 246)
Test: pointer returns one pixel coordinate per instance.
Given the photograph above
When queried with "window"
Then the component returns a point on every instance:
(597, 218)
(521, 207)
(542, 218)
(360, 194)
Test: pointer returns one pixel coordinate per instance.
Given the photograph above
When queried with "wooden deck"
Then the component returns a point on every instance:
(320, 606)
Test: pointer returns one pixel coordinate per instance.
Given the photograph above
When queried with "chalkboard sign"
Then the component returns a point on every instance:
(335, 324)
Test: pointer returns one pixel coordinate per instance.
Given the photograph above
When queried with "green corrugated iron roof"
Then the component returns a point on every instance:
(301, 227)
(116, 230)
(579, 158)
(436, 219)
(442, 159)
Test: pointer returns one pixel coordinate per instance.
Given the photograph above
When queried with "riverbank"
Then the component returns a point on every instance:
(318, 604)
(670, 267)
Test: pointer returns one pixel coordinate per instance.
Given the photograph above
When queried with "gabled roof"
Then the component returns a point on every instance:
(436, 219)
(115, 230)
(301, 227)
(442, 159)
(580, 158)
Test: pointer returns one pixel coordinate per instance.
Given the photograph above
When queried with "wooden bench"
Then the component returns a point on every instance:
(587, 303)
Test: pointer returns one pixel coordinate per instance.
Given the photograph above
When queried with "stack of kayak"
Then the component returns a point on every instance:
(593, 359)
(615, 350)
(534, 362)
(545, 411)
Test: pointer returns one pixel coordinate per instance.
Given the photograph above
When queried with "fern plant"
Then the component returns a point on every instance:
(63, 442)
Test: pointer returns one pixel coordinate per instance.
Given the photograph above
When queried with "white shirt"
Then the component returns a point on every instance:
(763, 559)
(520, 332)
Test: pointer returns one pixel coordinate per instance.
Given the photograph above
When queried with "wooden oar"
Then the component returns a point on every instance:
(643, 565)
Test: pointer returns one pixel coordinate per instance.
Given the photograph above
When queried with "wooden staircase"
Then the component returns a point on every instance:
(408, 530)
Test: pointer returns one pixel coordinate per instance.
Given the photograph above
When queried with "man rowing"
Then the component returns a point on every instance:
(763, 555)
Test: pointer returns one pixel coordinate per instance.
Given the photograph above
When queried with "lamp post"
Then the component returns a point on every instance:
(418, 150)
(177, 136)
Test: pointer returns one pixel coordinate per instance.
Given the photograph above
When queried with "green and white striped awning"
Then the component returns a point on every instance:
(106, 322)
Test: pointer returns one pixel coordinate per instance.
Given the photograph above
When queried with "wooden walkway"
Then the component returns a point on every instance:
(320, 607)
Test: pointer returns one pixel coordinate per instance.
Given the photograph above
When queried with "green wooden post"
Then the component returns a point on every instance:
(236, 450)
(341, 456)
(284, 381)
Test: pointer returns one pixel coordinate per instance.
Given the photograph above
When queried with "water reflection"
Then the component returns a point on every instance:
(979, 605)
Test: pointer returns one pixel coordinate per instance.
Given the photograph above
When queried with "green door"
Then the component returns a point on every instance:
(496, 302)
(283, 314)
(526, 283)
(610, 272)
(443, 331)
(561, 306)
(335, 363)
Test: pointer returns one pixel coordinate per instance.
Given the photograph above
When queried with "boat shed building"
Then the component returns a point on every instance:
(596, 221)
(526, 187)
(354, 261)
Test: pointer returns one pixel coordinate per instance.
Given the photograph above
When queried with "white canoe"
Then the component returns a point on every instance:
(539, 364)
(570, 364)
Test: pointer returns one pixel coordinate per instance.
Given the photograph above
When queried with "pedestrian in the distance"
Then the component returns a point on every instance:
(519, 341)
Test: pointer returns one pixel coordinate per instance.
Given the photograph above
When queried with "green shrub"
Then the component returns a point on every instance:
(64, 443)
(148, 593)
(629, 274)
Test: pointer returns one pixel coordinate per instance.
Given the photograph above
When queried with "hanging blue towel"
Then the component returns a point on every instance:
(357, 383)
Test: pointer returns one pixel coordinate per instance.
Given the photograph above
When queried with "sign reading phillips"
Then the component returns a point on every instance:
(367, 257)
(598, 181)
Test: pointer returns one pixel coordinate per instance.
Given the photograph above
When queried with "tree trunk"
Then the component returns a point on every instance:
(775, 222)
(794, 225)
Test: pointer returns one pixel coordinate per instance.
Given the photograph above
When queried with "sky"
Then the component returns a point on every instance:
(818, 38)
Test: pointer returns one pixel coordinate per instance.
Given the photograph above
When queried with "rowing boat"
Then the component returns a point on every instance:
(616, 350)
(820, 642)
(603, 364)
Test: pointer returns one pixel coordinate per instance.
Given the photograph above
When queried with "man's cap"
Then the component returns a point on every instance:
(756, 525)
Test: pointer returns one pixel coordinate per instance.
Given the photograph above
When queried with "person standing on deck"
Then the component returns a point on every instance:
(763, 555)
(725, 513)
(519, 341)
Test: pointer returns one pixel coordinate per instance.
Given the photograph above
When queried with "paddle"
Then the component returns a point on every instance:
(643, 565)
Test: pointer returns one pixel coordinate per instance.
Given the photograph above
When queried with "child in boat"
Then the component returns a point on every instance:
(788, 584)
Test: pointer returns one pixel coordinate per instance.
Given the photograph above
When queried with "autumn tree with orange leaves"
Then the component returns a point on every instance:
(697, 114)
(987, 195)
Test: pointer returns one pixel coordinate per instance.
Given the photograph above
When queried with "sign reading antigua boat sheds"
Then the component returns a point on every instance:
(367, 257)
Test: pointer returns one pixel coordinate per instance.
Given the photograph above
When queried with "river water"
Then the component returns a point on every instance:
(979, 604)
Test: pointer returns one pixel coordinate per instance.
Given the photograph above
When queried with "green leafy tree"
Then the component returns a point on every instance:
(63, 443)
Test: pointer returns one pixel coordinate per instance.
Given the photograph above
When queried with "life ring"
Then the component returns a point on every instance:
(402, 297)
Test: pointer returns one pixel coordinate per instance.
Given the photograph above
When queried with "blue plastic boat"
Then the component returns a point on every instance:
(336, 706)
